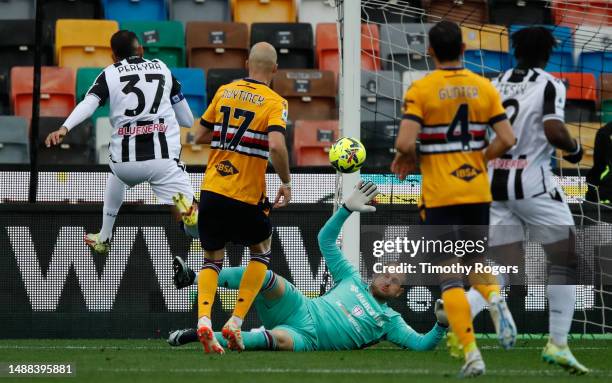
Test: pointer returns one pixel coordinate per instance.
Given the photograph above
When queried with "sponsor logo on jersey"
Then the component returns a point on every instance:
(466, 172)
(357, 311)
(226, 168)
(144, 129)
(507, 163)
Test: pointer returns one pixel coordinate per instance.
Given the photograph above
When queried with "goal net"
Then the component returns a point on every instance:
(393, 46)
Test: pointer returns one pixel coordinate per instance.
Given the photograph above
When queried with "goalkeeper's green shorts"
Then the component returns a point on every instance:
(289, 313)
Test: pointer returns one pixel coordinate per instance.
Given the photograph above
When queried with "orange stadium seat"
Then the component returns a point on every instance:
(327, 47)
(311, 94)
(581, 96)
(84, 43)
(264, 11)
(464, 11)
(573, 13)
(57, 91)
(217, 44)
(312, 140)
(193, 154)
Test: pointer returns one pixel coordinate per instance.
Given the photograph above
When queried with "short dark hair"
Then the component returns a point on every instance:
(533, 46)
(124, 43)
(445, 39)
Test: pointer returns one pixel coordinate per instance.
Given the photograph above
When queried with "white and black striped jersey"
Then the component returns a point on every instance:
(141, 93)
(530, 96)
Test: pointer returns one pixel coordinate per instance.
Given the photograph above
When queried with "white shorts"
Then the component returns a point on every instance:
(167, 177)
(547, 217)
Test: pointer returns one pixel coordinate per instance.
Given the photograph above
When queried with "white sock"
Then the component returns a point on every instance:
(561, 302)
(204, 322)
(113, 198)
(195, 280)
(476, 300)
(236, 320)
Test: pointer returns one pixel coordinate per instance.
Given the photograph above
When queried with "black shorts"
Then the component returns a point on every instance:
(222, 219)
(466, 214)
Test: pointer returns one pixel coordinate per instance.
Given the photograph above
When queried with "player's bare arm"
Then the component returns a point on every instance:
(557, 134)
(405, 145)
(503, 141)
(203, 135)
(280, 161)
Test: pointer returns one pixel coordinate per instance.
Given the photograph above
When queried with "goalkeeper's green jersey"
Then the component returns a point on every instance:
(348, 316)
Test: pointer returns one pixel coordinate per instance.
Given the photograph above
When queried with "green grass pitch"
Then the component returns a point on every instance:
(115, 361)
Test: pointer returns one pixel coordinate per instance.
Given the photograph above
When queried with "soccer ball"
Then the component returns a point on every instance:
(347, 155)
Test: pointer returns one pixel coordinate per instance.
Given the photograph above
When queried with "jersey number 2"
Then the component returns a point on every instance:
(238, 113)
(461, 121)
(132, 80)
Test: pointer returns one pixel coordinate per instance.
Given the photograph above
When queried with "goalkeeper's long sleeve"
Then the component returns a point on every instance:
(338, 266)
(405, 336)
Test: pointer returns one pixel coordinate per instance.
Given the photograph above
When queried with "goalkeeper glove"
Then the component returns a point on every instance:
(364, 193)
(576, 155)
(440, 313)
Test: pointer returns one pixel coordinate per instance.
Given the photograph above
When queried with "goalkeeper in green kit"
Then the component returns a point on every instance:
(352, 315)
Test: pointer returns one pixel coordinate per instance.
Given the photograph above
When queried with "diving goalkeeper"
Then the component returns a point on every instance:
(352, 315)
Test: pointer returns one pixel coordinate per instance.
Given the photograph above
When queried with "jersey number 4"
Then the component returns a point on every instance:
(237, 136)
(459, 128)
(131, 87)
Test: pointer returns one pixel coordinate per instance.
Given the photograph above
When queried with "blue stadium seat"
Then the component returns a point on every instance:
(593, 42)
(14, 142)
(123, 10)
(562, 58)
(193, 84)
(198, 10)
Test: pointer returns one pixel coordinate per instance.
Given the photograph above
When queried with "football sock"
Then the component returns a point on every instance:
(458, 312)
(252, 281)
(113, 198)
(476, 300)
(207, 285)
(561, 302)
(253, 340)
(191, 231)
(486, 284)
(230, 278)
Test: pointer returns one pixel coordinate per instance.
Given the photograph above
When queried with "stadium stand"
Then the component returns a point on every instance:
(379, 92)
(404, 46)
(54, 10)
(572, 13)
(311, 94)
(465, 11)
(562, 57)
(217, 44)
(586, 132)
(164, 40)
(85, 77)
(198, 10)
(57, 91)
(122, 10)
(594, 45)
(606, 97)
(75, 149)
(316, 11)
(17, 10)
(486, 48)
(14, 143)
(84, 43)
(193, 85)
(191, 153)
(102, 138)
(293, 42)
(327, 47)
(408, 77)
(376, 11)
(508, 12)
(379, 138)
(217, 77)
(581, 97)
(312, 140)
(264, 11)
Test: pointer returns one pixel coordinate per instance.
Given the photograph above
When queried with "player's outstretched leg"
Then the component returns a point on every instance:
(113, 198)
(188, 211)
(207, 287)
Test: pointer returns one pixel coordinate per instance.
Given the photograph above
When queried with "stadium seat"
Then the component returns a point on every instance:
(85, 78)
(593, 42)
(562, 57)
(104, 131)
(293, 42)
(164, 40)
(408, 77)
(379, 139)
(193, 84)
(317, 11)
(606, 97)
(191, 153)
(381, 95)
(217, 44)
(75, 149)
(380, 12)
(18, 9)
(572, 13)
(311, 94)
(312, 140)
(122, 10)
(57, 91)
(198, 10)
(84, 43)
(581, 96)
(486, 48)
(264, 11)
(14, 141)
(404, 46)
(217, 77)
(327, 47)
(460, 11)
(54, 10)
(508, 12)
(586, 132)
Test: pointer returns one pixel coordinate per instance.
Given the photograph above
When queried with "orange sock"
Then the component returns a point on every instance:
(207, 286)
(486, 284)
(459, 316)
(251, 282)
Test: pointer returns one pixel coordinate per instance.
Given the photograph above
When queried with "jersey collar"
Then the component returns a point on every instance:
(253, 81)
(452, 68)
